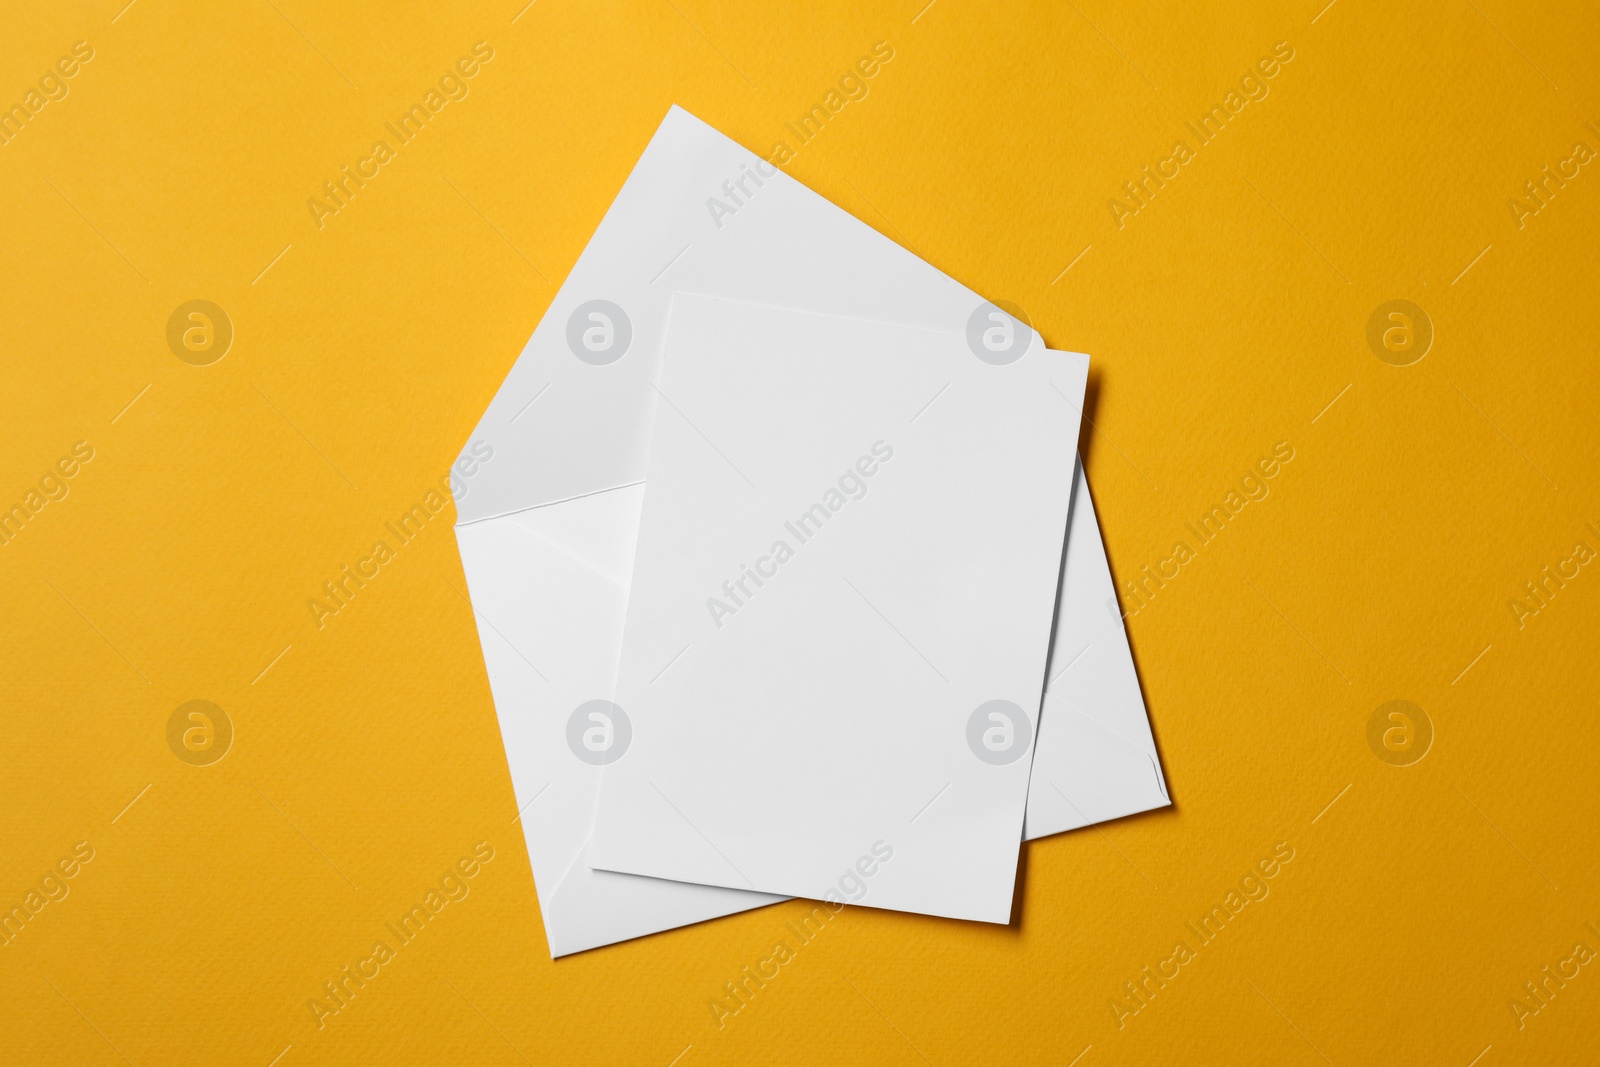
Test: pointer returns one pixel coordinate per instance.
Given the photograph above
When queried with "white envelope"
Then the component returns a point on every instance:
(548, 520)
(841, 609)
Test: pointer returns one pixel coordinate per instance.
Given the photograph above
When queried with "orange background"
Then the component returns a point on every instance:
(1229, 313)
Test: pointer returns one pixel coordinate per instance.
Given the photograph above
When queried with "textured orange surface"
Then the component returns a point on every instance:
(1431, 540)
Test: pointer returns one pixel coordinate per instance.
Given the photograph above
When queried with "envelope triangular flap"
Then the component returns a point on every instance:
(561, 427)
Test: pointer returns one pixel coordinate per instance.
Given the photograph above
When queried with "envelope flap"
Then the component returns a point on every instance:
(702, 213)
